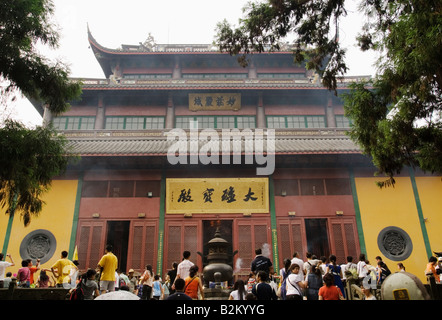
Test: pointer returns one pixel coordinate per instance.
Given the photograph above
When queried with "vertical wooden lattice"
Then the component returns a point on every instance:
(83, 246)
(137, 247)
(260, 234)
(245, 246)
(284, 241)
(95, 246)
(338, 243)
(191, 240)
(351, 240)
(297, 241)
(149, 247)
(173, 246)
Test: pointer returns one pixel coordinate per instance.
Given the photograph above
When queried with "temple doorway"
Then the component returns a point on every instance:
(118, 236)
(317, 237)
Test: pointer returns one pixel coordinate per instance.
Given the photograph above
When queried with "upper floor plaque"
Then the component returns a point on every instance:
(214, 101)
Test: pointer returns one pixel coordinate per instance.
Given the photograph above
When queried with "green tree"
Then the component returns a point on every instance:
(29, 158)
(24, 24)
(267, 24)
(397, 115)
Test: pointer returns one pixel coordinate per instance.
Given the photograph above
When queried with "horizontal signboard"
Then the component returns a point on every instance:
(214, 101)
(217, 195)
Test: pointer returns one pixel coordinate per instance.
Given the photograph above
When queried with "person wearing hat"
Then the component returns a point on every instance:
(132, 281)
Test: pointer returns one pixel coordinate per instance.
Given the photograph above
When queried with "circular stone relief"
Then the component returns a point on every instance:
(38, 244)
(395, 243)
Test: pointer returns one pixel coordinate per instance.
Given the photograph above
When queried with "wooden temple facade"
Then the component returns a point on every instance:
(129, 189)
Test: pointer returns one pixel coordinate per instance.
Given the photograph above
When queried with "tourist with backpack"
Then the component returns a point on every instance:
(381, 270)
(314, 283)
(349, 269)
(87, 287)
(123, 279)
(284, 272)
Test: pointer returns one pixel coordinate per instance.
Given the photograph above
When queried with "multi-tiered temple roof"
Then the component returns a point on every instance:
(148, 69)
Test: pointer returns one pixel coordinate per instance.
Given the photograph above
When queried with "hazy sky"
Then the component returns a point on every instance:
(117, 22)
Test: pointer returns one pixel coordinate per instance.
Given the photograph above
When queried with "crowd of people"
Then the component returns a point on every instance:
(62, 274)
(182, 282)
(323, 278)
(310, 279)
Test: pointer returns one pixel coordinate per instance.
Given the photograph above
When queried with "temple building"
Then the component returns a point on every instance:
(176, 141)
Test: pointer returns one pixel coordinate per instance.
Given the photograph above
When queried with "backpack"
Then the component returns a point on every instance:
(283, 289)
(77, 293)
(387, 271)
(354, 273)
(122, 282)
(351, 271)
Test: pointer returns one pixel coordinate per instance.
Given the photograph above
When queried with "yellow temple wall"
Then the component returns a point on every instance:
(430, 194)
(379, 208)
(56, 217)
(397, 206)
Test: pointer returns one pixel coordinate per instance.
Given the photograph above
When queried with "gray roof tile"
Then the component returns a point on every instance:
(159, 145)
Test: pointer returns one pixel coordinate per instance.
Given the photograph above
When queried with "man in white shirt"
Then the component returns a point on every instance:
(347, 267)
(184, 266)
(300, 263)
(3, 266)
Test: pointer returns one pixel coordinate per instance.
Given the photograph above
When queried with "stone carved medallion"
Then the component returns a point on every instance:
(395, 243)
(38, 244)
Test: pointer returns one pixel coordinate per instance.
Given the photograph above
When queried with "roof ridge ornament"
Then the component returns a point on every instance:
(148, 44)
